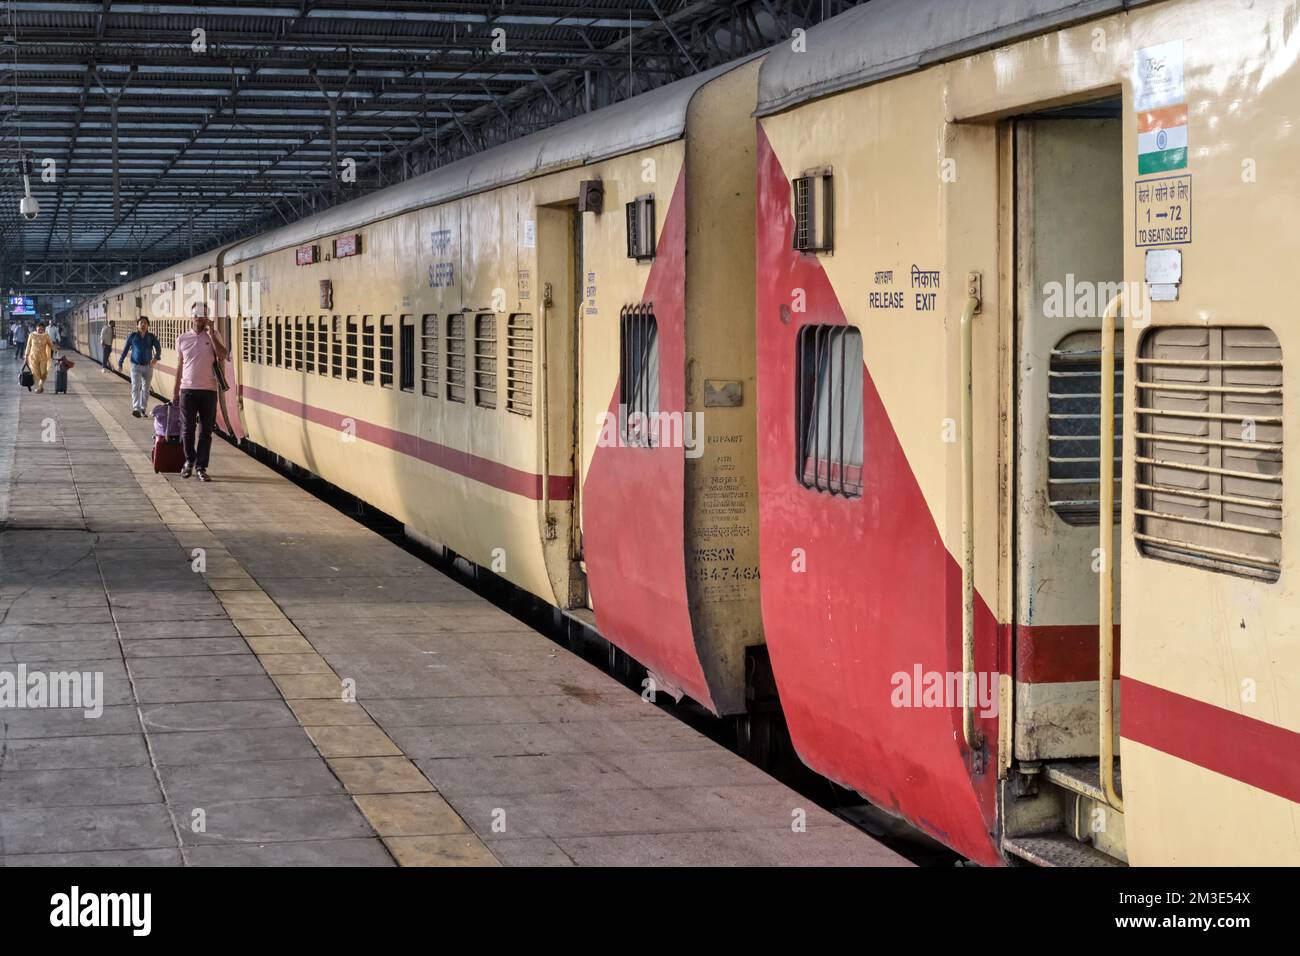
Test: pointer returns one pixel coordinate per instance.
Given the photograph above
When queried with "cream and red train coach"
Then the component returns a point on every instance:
(841, 316)
(992, 175)
(516, 356)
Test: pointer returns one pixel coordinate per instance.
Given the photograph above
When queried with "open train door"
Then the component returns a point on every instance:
(558, 295)
(1069, 261)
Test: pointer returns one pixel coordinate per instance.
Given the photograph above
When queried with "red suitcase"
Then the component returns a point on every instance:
(168, 456)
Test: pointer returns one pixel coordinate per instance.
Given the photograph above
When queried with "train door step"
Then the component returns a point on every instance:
(1056, 849)
(1081, 777)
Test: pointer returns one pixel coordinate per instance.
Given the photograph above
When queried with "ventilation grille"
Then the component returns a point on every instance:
(456, 358)
(641, 228)
(813, 211)
(1209, 445)
(1074, 427)
(519, 365)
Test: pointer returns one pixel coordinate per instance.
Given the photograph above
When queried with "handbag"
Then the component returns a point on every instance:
(25, 378)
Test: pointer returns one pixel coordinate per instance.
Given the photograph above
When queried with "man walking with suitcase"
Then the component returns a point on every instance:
(197, 389)
(145, 351)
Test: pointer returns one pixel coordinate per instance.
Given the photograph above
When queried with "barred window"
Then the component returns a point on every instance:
(309, 344)
(1074, 427)
(245, 328)
(456, 358)
(336, 347)
(367, 349)
(638, 374)
(429, 356)
(352, 348)
(519, 365)
(485, 361)
(1209, 449)
(279, 341)
(297, 343)
(828, 423)
(322, 345)
(406, 346)
(386, 351)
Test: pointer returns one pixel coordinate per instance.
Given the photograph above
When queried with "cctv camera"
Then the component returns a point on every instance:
(29, 207)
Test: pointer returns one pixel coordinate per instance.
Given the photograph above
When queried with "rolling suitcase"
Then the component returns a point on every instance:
(60, 377)
(168, 450)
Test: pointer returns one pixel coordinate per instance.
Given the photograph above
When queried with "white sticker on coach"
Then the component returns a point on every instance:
(1158, 76)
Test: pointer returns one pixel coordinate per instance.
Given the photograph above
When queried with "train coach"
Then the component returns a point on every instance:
(515, 356)
(949, 195)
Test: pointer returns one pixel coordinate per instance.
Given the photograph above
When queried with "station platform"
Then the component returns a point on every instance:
(232, 622)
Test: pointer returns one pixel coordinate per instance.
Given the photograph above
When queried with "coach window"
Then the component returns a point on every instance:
(385, 351)
(279, 341)
(639, 374)
(367, 350)
(352, 349)
(309, 344)
(323, 345)
(456, 358)
(429, 356)
(485, 361)
(1209, 449)
(336, 347)
(828, 424)
(297, 344)
(406, 348)
(519, 365)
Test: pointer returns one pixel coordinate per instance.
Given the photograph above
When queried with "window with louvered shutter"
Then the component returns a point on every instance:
(1074, 426)
(386, 351)
(323, 345)
(456, 358)
(1209, 449)
(429, 356)
(519, 365)
(485, 361)
(352, 349)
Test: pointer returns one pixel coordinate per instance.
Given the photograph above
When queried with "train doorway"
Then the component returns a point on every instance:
(1068, 234)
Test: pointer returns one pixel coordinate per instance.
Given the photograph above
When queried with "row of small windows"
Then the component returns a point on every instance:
(365, 348)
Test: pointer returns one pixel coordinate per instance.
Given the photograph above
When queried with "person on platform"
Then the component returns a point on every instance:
(106, 345)
(20, 341)
(197, 389)
(39, 355)
(145, 351)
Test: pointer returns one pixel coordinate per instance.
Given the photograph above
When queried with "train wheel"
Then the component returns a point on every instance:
(756, 737)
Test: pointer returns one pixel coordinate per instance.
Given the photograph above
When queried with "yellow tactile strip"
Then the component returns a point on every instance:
(415, 823)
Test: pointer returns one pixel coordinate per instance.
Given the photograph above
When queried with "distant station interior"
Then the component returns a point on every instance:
(675, 433)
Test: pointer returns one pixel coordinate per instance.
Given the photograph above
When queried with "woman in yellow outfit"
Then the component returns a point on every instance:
(40, 355)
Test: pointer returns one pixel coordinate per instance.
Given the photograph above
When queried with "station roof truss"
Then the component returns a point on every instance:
(157, 130)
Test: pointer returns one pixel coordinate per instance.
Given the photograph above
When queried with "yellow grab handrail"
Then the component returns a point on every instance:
(974, 739)
(1106, 538)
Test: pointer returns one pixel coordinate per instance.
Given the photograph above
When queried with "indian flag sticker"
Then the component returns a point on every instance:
(1162, 139)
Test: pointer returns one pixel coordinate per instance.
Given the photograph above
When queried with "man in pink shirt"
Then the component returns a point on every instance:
(197, 389)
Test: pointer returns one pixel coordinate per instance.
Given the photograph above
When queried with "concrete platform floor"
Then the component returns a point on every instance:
(227, 621)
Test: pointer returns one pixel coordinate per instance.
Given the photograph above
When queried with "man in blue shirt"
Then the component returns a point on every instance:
(145, 351)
